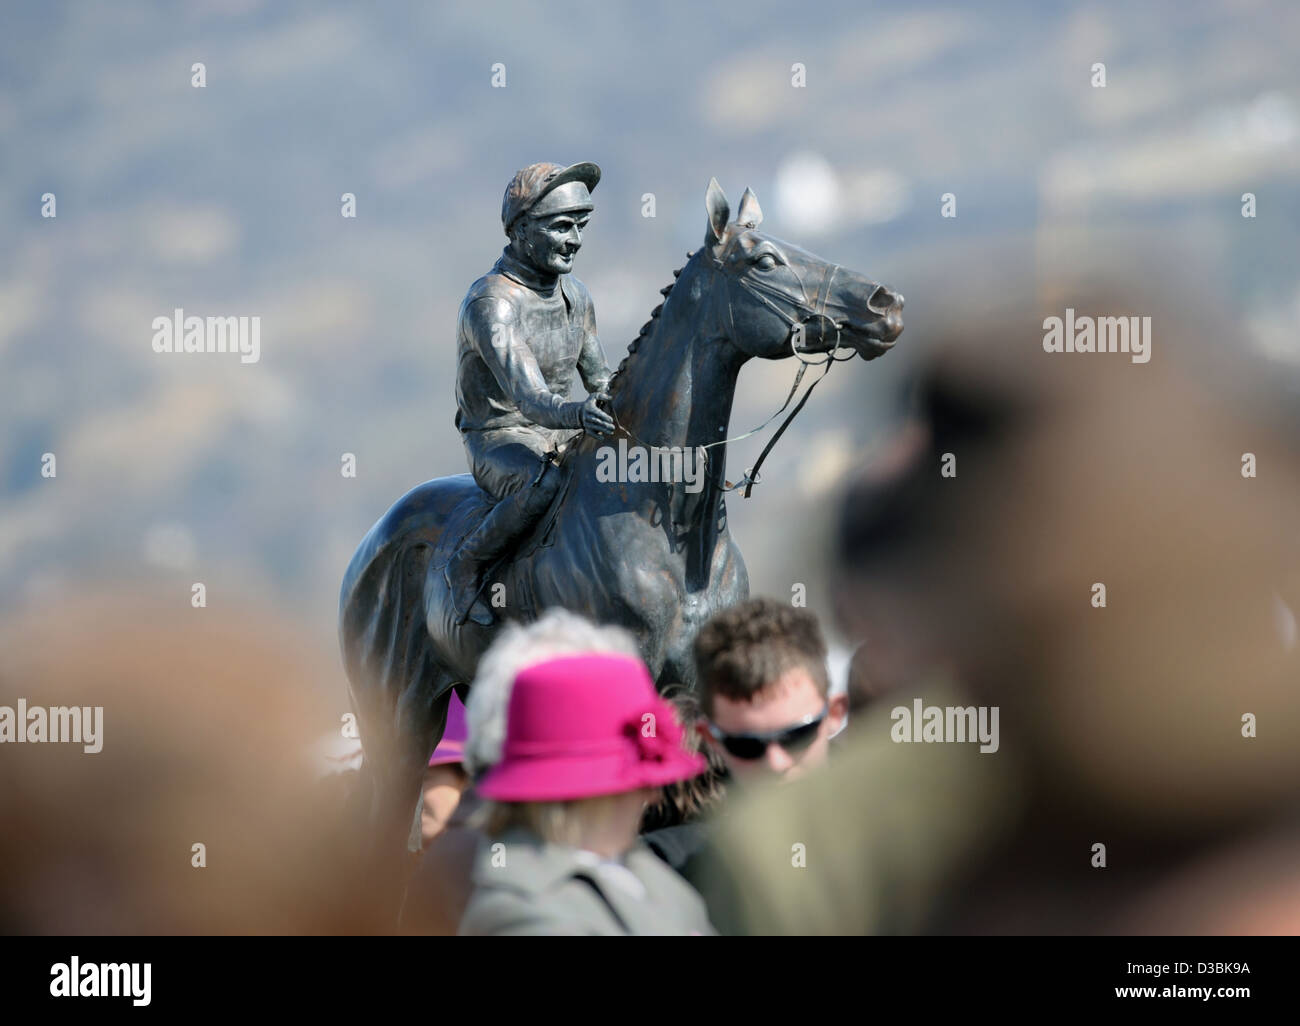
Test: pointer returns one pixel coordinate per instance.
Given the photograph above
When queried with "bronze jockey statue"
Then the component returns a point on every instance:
(523, 328)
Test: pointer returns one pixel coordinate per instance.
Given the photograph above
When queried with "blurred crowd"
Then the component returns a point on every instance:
(1146, 779)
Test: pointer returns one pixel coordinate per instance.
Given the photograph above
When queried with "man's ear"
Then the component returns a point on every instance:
(719, 211)
(837, 714)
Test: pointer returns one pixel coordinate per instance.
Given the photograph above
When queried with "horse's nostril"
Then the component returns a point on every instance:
(884, 301)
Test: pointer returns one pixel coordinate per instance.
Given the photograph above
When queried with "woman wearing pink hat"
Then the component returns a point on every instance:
(588, 744)
(445, 778)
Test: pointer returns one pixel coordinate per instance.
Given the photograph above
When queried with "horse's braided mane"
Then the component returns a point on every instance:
(647, 327)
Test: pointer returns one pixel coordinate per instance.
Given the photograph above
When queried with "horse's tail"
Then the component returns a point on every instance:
(399, 685)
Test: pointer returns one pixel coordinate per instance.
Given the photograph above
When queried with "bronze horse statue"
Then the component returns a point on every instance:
(652, 556)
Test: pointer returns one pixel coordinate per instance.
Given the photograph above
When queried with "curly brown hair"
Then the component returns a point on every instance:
(688, 800)
(743, 650)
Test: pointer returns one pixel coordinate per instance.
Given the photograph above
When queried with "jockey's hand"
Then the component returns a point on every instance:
(595, 420)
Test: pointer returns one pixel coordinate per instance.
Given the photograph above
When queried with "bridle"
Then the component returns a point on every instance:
(762, 292)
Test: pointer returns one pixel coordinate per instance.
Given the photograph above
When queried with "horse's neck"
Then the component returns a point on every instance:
(681, 381)
(676, 389)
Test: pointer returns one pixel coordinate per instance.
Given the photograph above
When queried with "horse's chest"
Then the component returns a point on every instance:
(696, 609)
(668, 588)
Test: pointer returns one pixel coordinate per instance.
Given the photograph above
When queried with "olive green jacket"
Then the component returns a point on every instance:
(866, 844)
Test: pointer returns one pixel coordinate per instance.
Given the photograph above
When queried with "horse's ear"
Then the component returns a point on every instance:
(715, 202)
(750, 213)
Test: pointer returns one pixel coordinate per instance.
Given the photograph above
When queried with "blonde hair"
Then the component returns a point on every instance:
(553, 822)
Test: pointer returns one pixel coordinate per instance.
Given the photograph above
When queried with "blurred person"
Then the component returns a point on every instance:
(765, 690)
(1130, 790)
(440, 887)
(866, 686)
(588, 745)
(202, 812)
(445, 780)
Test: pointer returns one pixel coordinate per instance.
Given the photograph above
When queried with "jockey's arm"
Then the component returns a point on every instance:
(592, 368)
(494, 328)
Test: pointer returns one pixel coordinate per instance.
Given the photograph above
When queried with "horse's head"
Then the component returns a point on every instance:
(775, 298)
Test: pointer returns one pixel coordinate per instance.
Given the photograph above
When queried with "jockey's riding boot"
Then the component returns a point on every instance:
(462, 579)
(504, 523)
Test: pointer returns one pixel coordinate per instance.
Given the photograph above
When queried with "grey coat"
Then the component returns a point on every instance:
(526, 887)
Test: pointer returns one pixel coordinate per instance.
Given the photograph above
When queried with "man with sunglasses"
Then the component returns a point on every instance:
(764, 695)
(765, 690)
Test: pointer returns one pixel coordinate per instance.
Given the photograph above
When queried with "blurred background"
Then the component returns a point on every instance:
(226, 200)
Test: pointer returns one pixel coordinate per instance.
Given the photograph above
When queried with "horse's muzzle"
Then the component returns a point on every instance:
(873, 327)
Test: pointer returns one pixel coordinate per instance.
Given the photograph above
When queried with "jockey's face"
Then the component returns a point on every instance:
(548, 243)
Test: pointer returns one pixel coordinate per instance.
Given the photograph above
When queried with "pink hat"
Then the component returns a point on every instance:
(587, 725)
(452, 746)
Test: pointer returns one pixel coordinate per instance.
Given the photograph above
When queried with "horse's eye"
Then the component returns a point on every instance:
(766, 262)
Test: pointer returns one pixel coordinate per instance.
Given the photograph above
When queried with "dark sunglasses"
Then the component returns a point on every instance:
(754, 746)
